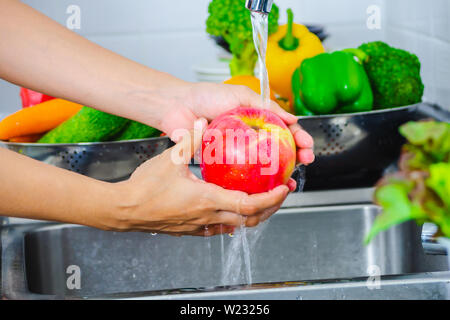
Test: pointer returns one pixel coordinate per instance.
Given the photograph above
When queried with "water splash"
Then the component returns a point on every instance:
(222, 246)
(237, 268)
(208, 253)
(246, 251)
(231, 269)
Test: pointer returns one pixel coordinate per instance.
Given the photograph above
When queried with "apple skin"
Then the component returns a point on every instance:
(276, 151)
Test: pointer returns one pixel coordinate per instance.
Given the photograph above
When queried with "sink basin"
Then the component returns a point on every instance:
(296, 244)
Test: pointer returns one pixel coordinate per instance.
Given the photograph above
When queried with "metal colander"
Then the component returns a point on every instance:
(353, 150)
(107, 161)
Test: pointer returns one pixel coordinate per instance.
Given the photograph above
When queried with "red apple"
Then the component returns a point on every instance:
(247, 149)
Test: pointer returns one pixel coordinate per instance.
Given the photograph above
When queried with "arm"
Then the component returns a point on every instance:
(32, 189)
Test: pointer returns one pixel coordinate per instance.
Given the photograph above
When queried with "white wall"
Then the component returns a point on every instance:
(346, 20)
(170, 35)
(423, 27)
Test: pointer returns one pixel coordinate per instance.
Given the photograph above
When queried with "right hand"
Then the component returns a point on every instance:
(165, 197)
(210, 100)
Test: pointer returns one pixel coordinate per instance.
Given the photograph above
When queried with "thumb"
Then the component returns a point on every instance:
(253, 100)
(183, 151)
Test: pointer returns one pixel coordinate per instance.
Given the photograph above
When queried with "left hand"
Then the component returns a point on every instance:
(210, 100)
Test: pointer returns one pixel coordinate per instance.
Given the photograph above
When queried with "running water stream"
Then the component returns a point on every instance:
(260, 27)
(238, 253)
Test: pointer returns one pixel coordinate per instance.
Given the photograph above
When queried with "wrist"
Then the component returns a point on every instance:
(122, 205)
(107, 208)
(152, 102)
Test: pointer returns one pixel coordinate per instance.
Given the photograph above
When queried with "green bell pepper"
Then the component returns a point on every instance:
(331, 83)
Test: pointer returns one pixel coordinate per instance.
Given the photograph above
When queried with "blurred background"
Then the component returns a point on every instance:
(170, 35)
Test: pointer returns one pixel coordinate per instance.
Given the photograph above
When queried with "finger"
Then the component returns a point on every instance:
(287, 117)
(210, 231)
(183, 151)
(292, 185)
(188, 230)
(305, 156)
(241, 203)
(302, 138)
(182, 229)
(224, 229)
(253, 221)
(219, 229)
(268, 213)
(228, 218)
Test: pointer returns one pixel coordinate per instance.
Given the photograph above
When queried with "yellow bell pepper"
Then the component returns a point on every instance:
(286, 50)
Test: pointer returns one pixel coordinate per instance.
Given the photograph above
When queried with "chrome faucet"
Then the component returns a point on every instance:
(262, 6)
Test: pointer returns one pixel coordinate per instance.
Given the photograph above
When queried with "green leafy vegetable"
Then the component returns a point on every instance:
(432, 137)
(439, 182)
(397, 207)
(421, 189)
(231, 20)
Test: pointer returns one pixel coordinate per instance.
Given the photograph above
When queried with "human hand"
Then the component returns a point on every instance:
(163, 196)
(211, 100)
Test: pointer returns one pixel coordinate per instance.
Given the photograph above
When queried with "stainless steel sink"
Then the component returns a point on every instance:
(424, 286)
(297, 244)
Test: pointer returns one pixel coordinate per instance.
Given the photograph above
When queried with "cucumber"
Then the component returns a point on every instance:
(88, 125)
(137, 130)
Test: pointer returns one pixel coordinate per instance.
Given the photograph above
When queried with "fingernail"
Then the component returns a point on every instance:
(292, 185)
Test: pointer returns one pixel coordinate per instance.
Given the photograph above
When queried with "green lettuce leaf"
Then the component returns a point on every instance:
(432, 137)
(397, 208)
(421, 189)
(439, 182)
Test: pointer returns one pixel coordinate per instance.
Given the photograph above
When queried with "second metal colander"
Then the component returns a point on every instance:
(353, 150)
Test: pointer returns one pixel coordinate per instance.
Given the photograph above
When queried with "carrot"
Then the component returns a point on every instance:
(37, 119)
(24, 139)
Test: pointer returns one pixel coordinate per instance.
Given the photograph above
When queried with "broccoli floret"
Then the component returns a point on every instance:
(394, 75)
(231, 20)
